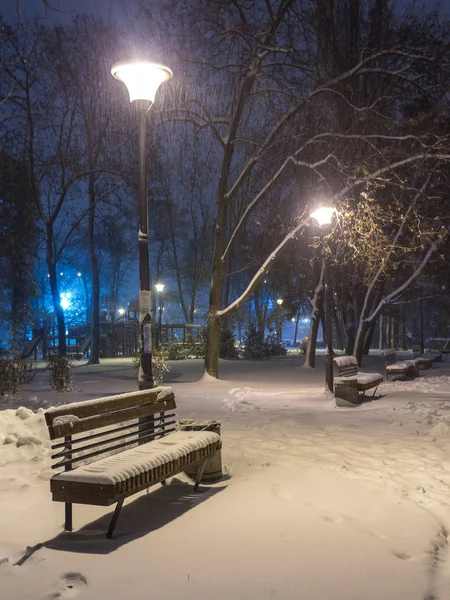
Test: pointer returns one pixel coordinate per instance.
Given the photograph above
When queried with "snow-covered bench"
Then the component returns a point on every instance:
(427, 359)
(351, 380)
(409, 368)
(128, 443)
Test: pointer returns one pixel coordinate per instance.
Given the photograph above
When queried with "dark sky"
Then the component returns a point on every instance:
(62, 10)
(117, 9)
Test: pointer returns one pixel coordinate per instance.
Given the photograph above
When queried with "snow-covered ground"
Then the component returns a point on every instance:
(319, 502)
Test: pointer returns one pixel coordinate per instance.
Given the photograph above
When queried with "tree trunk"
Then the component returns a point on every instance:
(94, 357)
(297, 317)
(316, 304)
(51, 265)
(369, 337)
(215, 296)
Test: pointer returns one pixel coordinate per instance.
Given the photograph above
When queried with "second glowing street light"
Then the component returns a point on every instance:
(323, 217)
(159, 287)
(142, 80)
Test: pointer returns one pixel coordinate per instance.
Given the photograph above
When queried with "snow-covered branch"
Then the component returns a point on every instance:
(265, 267)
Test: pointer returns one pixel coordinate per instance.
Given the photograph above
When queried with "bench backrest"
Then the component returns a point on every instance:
(119, 422)
(389, 356)
(347, 365)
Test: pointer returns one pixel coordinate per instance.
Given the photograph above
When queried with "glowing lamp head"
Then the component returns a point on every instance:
(279, 301)
(142, 78)
(323, 215)
(159, 287)
(64, 301)
(121, 311)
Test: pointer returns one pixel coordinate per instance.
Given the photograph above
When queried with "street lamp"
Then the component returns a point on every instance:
(323, 217)
(279, 320)
(142, 80)
(159, 288)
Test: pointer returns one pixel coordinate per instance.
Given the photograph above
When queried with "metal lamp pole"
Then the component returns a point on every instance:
(142, 80)
(159, 288)
(328, 334)
(323, 217)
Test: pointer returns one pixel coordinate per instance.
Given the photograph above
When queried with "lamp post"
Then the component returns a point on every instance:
(142, 80)
(279, 319)
(323, 217)
(159, 288)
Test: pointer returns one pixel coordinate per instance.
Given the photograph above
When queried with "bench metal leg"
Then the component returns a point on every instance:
(68, 516)
(374, 392)
(114, 519)
(163, 482)
(199, 475)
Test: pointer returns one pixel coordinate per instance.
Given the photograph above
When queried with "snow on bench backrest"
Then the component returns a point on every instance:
(347, 365)
(389, 356)
(80, 417)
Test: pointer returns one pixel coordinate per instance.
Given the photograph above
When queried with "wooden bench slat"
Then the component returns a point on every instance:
(80, 425)
(109, 404)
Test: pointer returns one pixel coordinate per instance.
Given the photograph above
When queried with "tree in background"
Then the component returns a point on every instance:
(18, 249)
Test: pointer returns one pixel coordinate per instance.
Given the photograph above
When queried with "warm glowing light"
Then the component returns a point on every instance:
(323, 215)
(293, 319)
(141, 78)
(279, 301)
(121, 311)
(78, 274)
(159, 287)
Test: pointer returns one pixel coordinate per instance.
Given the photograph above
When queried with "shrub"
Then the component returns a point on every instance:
(175, 351)
(159, 366)
(9, 377)
(302, 345)
(60, 369)
(227, 347)
(26, 370)
(15, 372)
(274, 348)
(254, 346)
(195, 347)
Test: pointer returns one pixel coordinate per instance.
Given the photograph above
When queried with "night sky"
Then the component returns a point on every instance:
(63, 10)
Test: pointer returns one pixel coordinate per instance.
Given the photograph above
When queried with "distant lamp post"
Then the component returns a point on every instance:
(323, 217)
(142, 80)
(159, 287)
(279, 320)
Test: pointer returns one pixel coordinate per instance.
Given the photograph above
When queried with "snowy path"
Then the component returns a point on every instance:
(322, 503)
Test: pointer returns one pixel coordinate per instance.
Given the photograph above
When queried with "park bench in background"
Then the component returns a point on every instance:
(409, 368)
(426, 359)
(128, 443)
(351, 381)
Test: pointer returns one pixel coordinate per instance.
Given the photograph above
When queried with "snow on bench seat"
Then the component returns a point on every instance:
(121, 467)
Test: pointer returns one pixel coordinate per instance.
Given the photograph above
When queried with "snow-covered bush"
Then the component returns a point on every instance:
(254, 347)
(227, 347)
(159, 365)
(274, 347)
(257, 348)
(26, 370)
(9, 377)
(303, 345)
(60, 369)
(15, 372)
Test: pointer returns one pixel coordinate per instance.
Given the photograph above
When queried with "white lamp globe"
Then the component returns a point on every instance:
(142, 78)
(159, 287)
(323, 215)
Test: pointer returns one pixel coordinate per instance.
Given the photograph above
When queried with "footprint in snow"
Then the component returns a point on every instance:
(70, 585)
